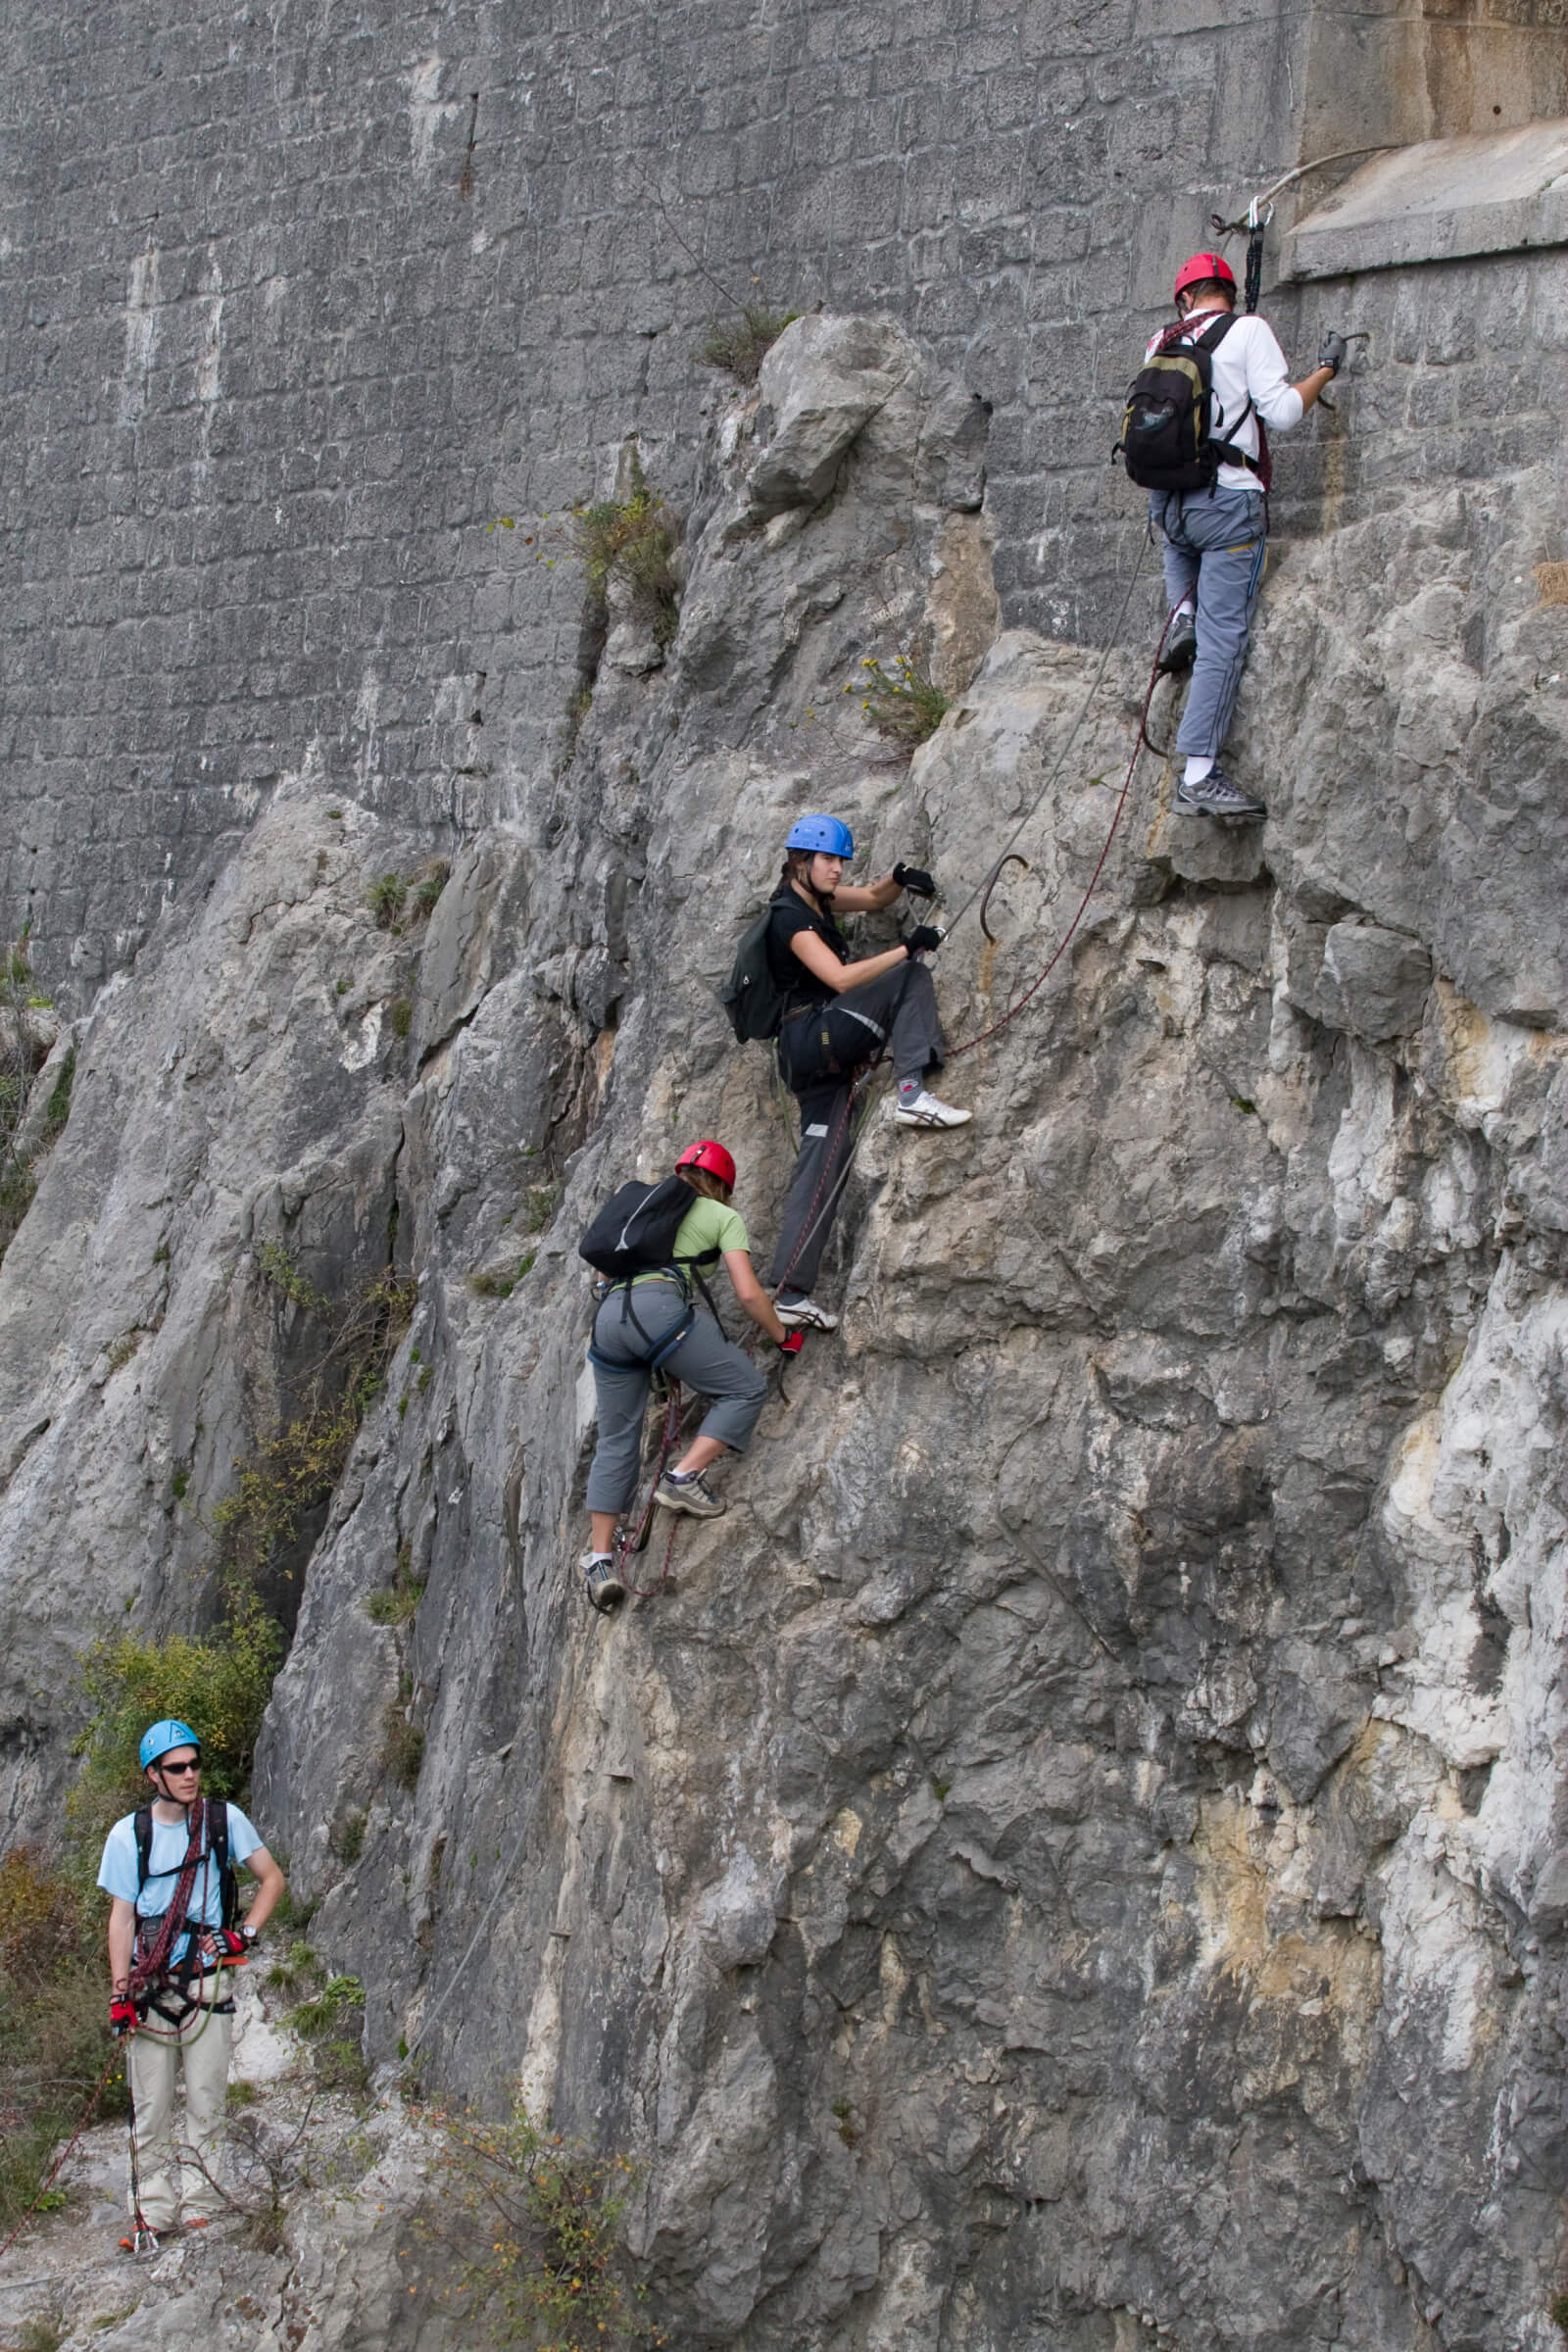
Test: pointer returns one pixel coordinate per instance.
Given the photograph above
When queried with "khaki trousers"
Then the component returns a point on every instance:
(169, 2168)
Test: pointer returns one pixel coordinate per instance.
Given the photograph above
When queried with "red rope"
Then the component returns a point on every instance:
(1068, 936)
(668, 1439)
(146, 1971)
(858, 1077)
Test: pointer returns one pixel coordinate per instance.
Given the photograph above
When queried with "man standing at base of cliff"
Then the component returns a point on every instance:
(1199, 449)
(173, 1931)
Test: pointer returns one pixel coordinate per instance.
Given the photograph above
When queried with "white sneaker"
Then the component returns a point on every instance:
(929, 1110)
(804, 1314)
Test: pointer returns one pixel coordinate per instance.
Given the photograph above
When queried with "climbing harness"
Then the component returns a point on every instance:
(153, 1977)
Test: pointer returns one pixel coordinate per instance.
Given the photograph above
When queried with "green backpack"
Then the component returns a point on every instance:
(751, 994)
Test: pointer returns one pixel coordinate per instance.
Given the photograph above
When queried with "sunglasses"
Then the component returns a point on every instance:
(194, 1765)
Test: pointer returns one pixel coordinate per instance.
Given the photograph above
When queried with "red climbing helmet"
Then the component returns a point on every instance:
(712, 1156)
(1199, 269)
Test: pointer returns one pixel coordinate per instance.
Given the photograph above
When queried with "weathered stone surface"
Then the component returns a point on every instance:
(821, 382)
(1374, 981)
(1063, 1846)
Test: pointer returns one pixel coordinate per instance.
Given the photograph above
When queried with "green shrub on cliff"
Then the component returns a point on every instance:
(630, 541)
(533, 2222)
(218, 1684)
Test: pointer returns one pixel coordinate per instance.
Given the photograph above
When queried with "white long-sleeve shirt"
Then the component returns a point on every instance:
(1248, 365)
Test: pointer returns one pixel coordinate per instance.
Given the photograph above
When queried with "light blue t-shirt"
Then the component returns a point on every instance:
(116, 1871)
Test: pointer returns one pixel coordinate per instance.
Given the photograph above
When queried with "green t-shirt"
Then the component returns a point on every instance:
(705, 1233)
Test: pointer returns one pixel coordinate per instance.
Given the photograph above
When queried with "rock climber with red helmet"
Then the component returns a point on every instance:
(843, 1011)
(1215, 534)
(632, 1327)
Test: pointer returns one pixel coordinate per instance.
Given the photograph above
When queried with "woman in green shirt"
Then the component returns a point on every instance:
(628, 1329)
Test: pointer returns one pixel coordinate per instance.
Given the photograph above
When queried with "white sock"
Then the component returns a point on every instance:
(1197, 769)
(1186, 605)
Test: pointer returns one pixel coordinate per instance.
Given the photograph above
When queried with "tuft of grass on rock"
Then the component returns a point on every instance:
(738, 345)
(385, 898)
(903, 701)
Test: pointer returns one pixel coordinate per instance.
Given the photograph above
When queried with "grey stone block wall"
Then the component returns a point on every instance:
(295, 303)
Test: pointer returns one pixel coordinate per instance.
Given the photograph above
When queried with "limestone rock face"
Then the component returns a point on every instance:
(1075, 1856)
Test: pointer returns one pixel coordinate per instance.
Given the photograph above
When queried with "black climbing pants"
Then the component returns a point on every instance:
(818, 1053)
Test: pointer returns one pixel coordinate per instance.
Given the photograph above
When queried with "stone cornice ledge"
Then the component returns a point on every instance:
(1497, 191)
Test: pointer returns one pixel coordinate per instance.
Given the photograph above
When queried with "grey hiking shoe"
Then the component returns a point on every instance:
(1180, 647)
(684, 1491)
(804, 1314)
(605, 1587)
(1218, 796)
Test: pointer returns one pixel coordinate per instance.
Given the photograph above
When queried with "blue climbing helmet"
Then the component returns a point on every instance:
(159, 1737)
(830, 834)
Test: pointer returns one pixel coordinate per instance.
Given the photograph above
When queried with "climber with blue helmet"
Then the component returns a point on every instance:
(174, 1930)
(842, 1010)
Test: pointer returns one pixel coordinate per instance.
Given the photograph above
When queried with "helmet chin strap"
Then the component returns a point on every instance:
(160, 1782)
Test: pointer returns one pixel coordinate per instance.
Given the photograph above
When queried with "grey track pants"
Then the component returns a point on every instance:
(900, 1007)
(1214, 546)
(704, 1360)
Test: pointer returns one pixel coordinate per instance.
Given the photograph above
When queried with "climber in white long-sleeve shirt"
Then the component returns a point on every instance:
(1216, 536)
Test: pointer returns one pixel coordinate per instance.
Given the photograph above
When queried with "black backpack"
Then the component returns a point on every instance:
(1165, 442)
(634, 1233)
(217, 1847)
(751, 995)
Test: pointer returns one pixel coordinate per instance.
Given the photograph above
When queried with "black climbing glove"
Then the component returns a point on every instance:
(923, 938)
(916, 878)
(1331, 352)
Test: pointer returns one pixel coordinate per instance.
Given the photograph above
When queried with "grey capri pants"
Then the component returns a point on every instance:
(704, 1360)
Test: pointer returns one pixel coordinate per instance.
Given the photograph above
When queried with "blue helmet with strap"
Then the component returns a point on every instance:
(159, 1737)
(829, 834)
